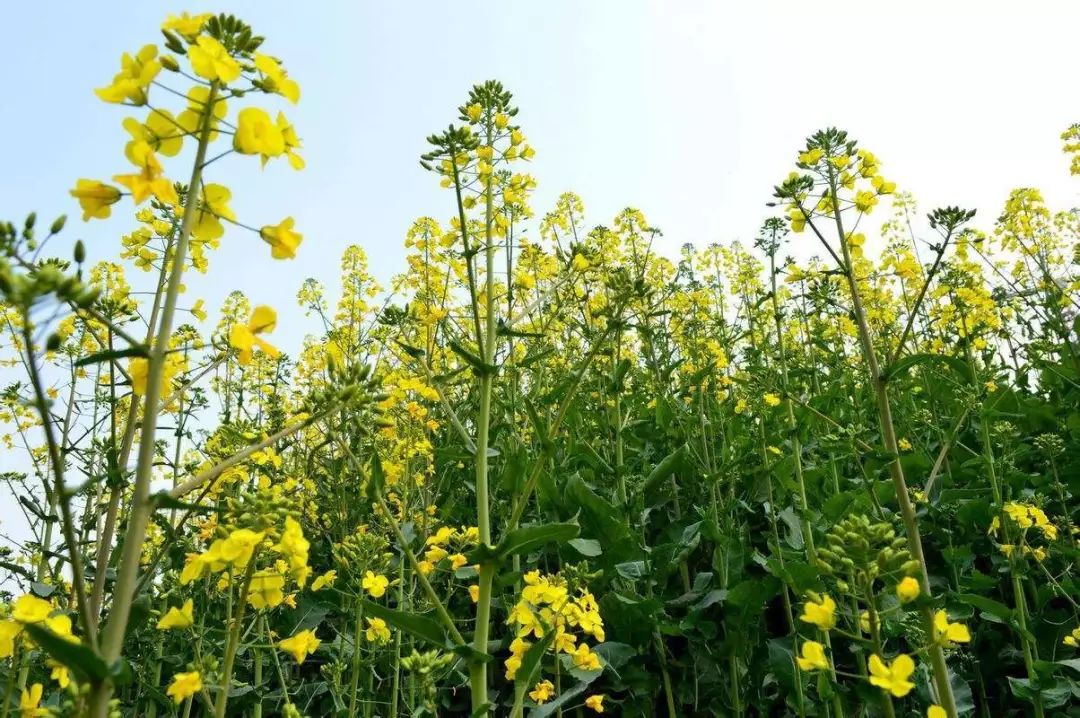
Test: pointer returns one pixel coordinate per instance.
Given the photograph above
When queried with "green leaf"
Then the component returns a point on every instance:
(422, 627)
(524, 540)
(586, 547)
(82, 660)
(955, 363)
(376, 484)
(139, 350)
(986, 605)
(165, 500)
(667, 466)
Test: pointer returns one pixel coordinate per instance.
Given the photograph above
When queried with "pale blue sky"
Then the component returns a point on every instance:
(690, 111)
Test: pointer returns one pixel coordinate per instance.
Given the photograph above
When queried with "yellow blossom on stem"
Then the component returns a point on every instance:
(377, 631)
(301, 645)
(283, 240)
(257, 134)
(542, 692)
(327, 579)
(265, 590)
(31, 609)
(184, 685)
(374, 584)
(276, 79)
(29, 700)
(892, 677)
(244, 337)
(136, 74)
(812, 657)
(186, 24)
(820, 613)
(211, 61)
(95, 198)
(908, 589)
(178, 617)
(595, 703)
(947, 633)
(9, 631)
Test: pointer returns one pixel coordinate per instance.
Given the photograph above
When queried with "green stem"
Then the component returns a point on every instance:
(141, 505)
(233, 643)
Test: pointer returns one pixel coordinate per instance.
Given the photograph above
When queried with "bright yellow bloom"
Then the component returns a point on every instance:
(936, 711)
(95, 198)
(59, 673)
(457, 561)
(908, 589)
(184, 685)
(947, 633)
(772, 400)
(238, 548)
(865, 201)
(150, 180)
(31, 609)
(192, 117)
(893, 677)
(282, 239)
(136, 74)
(474, 593)
(374, 584)
(301, 645)
(377, 631)
(474, 112)
(821, 614)
(256, 134)
(178, 617)
(812, 657)
(327, 579)
(185, 24)
(244, 338)
(542, 692)
(139, 371)
(9, 631)
(585, 659)
(1073, 639)
(595, 703)
(211, 61)
(265, 590)
(276, 79)
(291, 140)
(28, 702)
(213, 207)
(161, 131)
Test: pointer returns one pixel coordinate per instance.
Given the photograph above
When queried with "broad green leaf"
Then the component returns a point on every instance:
(82, 660)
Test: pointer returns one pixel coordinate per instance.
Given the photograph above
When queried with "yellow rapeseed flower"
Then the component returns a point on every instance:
(892, 677)
(301, 645)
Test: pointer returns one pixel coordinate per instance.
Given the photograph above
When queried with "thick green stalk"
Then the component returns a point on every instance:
(141, 506)
(354, 678)
(896, 471)
(233, 642)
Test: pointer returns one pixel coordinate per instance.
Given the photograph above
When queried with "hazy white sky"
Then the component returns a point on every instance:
(688, 110)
